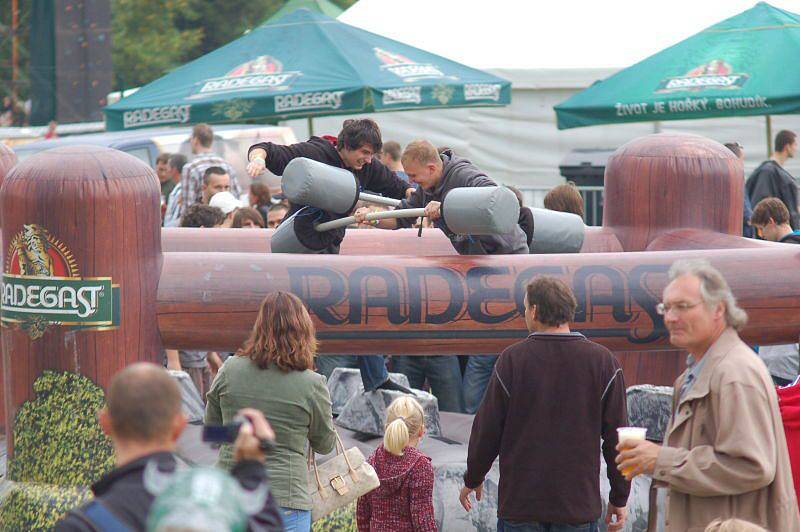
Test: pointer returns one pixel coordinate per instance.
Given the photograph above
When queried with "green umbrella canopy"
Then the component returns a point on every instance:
(742, 66)
(305, 64)
(326, 7)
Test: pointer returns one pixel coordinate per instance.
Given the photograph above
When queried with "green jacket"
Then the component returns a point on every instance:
(297, 405)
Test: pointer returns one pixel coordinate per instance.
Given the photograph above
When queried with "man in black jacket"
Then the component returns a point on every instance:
(143, 418)
(771, 179)
(551, 399)
(355, 149)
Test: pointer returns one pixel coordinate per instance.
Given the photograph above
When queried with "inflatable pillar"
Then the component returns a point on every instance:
(82, 258)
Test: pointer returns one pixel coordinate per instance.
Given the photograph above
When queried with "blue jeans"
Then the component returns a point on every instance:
(443, 374)
(476, 379)
(535, 526)
(296, 520)
(372, 367)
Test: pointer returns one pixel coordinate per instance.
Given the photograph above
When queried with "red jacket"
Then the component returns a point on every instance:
(789, 403)
(404, 500)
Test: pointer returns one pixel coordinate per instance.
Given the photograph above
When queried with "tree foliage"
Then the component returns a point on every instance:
(152, 37)
(146, 41)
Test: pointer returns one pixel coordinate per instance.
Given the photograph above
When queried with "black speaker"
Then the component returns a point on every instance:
(71, 68)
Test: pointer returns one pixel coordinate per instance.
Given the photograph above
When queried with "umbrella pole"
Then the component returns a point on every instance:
(769, 136)
(310, 127)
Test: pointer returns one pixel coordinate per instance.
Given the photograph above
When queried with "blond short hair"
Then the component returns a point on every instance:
(404, 419)
(421, 152)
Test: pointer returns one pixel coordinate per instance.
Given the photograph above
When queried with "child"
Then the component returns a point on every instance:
(404, 500)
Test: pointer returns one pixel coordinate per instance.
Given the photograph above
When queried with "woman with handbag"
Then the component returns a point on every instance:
(404, 500)
(273, 372)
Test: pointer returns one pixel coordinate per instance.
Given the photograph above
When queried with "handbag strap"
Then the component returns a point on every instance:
(312, 461)
(353, 472)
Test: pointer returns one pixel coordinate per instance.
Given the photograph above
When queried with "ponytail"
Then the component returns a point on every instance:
(396, 437)
(404, 420)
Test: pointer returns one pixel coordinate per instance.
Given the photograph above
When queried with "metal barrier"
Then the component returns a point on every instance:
(592, 201)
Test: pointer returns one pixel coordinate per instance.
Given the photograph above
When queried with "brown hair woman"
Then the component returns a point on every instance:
(273, 372)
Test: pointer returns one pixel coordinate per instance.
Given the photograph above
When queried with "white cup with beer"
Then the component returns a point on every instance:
(630, 434)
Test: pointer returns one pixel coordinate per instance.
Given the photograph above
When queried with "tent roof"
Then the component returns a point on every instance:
(519, 35)
(326, 7)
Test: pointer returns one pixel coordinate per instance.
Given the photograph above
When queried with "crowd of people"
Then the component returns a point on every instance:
(541, 407)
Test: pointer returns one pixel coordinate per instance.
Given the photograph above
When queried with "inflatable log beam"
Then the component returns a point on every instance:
(458, 305)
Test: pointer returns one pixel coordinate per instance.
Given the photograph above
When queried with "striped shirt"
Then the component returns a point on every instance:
(192, 178)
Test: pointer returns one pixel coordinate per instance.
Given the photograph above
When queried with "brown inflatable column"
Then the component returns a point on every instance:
(7, 160)
(82, 259)
(663, 182)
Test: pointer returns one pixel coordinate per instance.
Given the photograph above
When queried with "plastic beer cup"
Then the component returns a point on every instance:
(630, 434)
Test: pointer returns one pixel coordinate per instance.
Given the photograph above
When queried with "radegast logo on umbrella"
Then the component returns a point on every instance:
(716, 74)
(405, 68)
(42, 287)
(263, 72)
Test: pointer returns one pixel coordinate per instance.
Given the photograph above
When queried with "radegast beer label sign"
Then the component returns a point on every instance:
(42, 286)
(263, 72)
(482, 91)
(405, 68)
(716, 74)
(150, 116)
(402, 95)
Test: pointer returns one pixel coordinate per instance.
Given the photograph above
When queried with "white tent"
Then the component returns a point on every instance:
(548, 50)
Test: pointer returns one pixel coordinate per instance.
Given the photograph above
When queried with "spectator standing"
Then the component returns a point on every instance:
(390, 157)
(747, 229)
(771, 179)
(228, 204)
(164, 176)
(276, 214)
(724, 452)
(260, 198)
(215, 179)
(565, 198)
(199, 215)
(143, 418)
(194, 172)
(404, 500)
(248, 218)
(172, 216)
(551, 399)
(771, 219)
(273, 373)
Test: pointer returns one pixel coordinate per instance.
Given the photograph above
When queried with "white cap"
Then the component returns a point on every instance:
(226, 202)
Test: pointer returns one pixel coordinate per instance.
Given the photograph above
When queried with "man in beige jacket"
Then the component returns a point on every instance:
(724, 452)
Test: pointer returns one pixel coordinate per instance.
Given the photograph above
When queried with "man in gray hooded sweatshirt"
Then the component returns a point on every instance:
(436, 174)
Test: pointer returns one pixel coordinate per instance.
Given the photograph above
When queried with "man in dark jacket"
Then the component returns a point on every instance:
(551, 399)
(143, 418)
(771, 179)
(437, 174)
(355, 149)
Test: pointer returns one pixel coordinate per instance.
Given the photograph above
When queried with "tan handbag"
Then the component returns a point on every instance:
(340, 480)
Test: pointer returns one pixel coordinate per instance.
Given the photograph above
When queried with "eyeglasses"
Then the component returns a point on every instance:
(679, 308)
